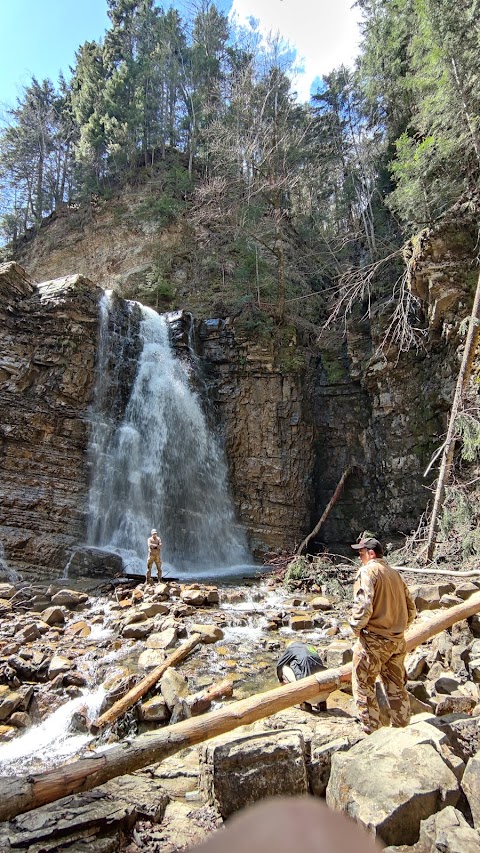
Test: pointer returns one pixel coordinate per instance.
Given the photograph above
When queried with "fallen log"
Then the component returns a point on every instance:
(21, 794)
(200, 702)
(122, 705)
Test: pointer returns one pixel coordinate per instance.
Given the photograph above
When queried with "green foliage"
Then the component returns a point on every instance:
(468, 428)
(162, 209)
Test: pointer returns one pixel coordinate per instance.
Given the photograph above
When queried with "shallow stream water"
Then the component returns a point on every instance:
(247, 654)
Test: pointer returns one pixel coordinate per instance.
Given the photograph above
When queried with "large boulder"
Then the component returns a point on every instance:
(392, 780)
(447, 831)
(94, 563)
(238, 771)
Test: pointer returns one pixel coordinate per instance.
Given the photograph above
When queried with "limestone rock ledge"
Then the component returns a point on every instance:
(48, 343)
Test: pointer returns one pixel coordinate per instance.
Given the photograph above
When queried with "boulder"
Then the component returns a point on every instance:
(301, 623)
(70, 598)
(59, 665)
(238, 771)
(53, 615)
(174, 686)
(392, 780)
(415, 664)
(9, 701)
(209, 633)
(162, 639)
(151, 658)
(94, 563)
(153, 608)
(154, 710)
(138, 631)
(471, 787)
(320, 763)
(338, 653)
(447, 831)
(7, 590)
(427, 596)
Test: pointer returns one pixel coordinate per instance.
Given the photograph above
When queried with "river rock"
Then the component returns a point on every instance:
(54, 615)
(78, 629)
(321, 603)
(9, 702)
(59, 665)
(447, 831)
(7, 590)
(154, 710)
(138, 631)
(28, 633)
(392, 780)
(471, 787)
(194, 597)
(301, 623)
(338, 653)
(174, 686)
(162, 639)
(209, 633)
(153, 608)
(238, 771)
(70, 598)
(20, 719)
(151, 658)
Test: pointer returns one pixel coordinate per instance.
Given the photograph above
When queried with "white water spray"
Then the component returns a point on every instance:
(160, 466)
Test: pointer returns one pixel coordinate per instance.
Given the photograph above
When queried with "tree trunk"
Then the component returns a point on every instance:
(447, 458)
(143, 686)
(21, 794)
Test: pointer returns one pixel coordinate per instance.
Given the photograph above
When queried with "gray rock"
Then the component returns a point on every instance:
(392, 780)
(94, 563)
(174, 686)
(471, 787)
(238, 771)
(70, 598)
(53, 615)
(427, 596)
(447, 831)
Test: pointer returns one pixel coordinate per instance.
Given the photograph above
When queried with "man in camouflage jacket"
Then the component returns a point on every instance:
(382, 610)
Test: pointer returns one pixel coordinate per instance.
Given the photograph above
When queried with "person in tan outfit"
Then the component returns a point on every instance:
(383, 608)
(154, 544)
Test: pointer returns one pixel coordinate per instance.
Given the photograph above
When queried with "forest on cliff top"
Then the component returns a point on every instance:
(283, 197)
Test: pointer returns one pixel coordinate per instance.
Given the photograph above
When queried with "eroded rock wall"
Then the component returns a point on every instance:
(47, 372)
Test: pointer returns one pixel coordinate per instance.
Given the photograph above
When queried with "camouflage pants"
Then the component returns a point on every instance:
(375, 656)
(154, 558)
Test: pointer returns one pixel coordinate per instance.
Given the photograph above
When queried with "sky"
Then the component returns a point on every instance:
(40, 37)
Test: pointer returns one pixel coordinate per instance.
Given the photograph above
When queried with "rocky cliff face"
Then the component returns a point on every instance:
(289, 430)
(47, 359)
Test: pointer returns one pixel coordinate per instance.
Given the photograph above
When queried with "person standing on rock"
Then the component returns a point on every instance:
(383, 609)
(154, 544)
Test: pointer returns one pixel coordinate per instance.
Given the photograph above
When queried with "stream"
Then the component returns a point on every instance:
(247, 654)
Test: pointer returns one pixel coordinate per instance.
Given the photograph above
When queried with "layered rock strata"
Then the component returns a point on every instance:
(47, 373)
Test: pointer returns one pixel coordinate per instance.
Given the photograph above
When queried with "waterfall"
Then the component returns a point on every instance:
(159, 465)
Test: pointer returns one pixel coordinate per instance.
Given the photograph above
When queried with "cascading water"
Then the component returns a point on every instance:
(160, 466)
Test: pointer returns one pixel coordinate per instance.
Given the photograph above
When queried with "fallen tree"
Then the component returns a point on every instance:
(21, 794)
(125, 702)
